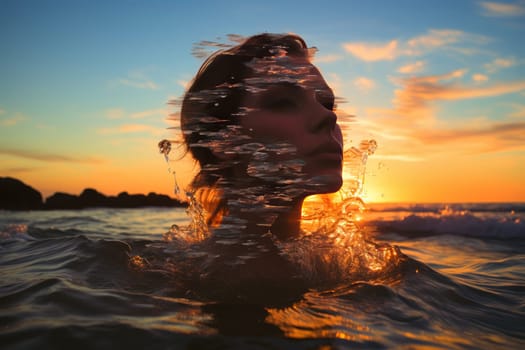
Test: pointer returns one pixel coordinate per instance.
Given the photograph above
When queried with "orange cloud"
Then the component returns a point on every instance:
(327, 58)
(184, 83)
(519, 111)
(479, 78)
(412, 130)
(399, 157)
(115, 113)
(119, 113)
(434, 38)
(417, 93)
(364, 84)
(498, 9)
(373, 52)
(149, 113)
(137, 79)
(500, 63)
(411, 67)
(12, 120)
(47, 157)
(131, 128)
(145, 84)
(478, 137)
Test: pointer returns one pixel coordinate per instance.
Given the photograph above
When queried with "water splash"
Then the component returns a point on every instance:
(165, 147)
(234, 211)
(205, 48)
(355, 167)
(334, 248)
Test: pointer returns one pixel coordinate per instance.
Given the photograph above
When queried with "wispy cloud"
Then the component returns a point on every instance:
(488, 136)
(327, 58)
(413, 126)
(139, 84)
(412, 67)
(418, 93)
(11, 121)
(184, 83)
(416, 46)
(500, 63)
(132, 129)
(373, 51)
(364, 84)
(498, 9)
(417, 142)
(433, 39)
(19, 170)
(47, 157)
(479, 78)
(120, 113)
(519, 111)
(335, 82)
(115, 113)
(399, 157)
(157, 112)
(138, 79)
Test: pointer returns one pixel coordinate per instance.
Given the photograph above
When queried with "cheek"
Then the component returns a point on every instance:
(272, 127)
(338, 134)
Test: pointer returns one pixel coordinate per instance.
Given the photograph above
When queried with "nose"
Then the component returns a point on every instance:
(324, 120)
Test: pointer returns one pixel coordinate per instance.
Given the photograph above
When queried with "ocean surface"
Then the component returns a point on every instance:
(110, 278)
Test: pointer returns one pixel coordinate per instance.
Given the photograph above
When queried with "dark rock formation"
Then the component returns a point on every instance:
(16, 195)
(126, 200)
(61, 200)
(90, 198)
(159, 200)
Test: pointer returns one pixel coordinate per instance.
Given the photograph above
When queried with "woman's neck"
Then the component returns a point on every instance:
(285, 225)
(288, 224)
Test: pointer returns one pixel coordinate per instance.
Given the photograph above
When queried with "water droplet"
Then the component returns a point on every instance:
(165, 148)
(176, 188)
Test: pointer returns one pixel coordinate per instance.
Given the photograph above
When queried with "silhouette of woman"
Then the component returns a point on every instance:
(259, 119)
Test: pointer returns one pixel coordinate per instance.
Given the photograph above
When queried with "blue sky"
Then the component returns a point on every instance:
(84, 86)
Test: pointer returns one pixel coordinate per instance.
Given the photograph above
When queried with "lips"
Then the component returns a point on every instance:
(328, 150)
(326, 158)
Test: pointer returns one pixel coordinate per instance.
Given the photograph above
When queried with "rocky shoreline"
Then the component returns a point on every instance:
(16, 195)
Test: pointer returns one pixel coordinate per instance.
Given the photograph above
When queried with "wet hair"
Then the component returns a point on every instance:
(211, 107)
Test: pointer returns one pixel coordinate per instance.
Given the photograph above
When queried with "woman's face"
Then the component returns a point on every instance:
(297, 110)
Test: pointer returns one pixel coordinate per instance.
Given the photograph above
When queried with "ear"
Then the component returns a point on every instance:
(224, 149)
(232, 143)
(224, 154)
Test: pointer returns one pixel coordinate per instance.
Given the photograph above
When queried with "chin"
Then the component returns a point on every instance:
(326, 183)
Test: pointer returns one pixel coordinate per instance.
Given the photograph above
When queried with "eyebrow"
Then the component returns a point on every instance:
(324, 90)
(325, 93)
(284, 87)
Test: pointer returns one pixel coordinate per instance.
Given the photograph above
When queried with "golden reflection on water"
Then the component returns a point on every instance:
(444, 337)
(304, 320)
(189, 319)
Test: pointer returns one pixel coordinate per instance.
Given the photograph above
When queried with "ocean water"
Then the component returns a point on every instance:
(109, 278)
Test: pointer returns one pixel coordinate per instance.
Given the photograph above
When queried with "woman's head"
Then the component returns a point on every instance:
(263, 94)
(213, 101)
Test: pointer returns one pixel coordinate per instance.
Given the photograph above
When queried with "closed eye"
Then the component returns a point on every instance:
(281, 104)
(330, 105)
(326, 98)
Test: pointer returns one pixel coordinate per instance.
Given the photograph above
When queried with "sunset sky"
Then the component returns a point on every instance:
(440, 85)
